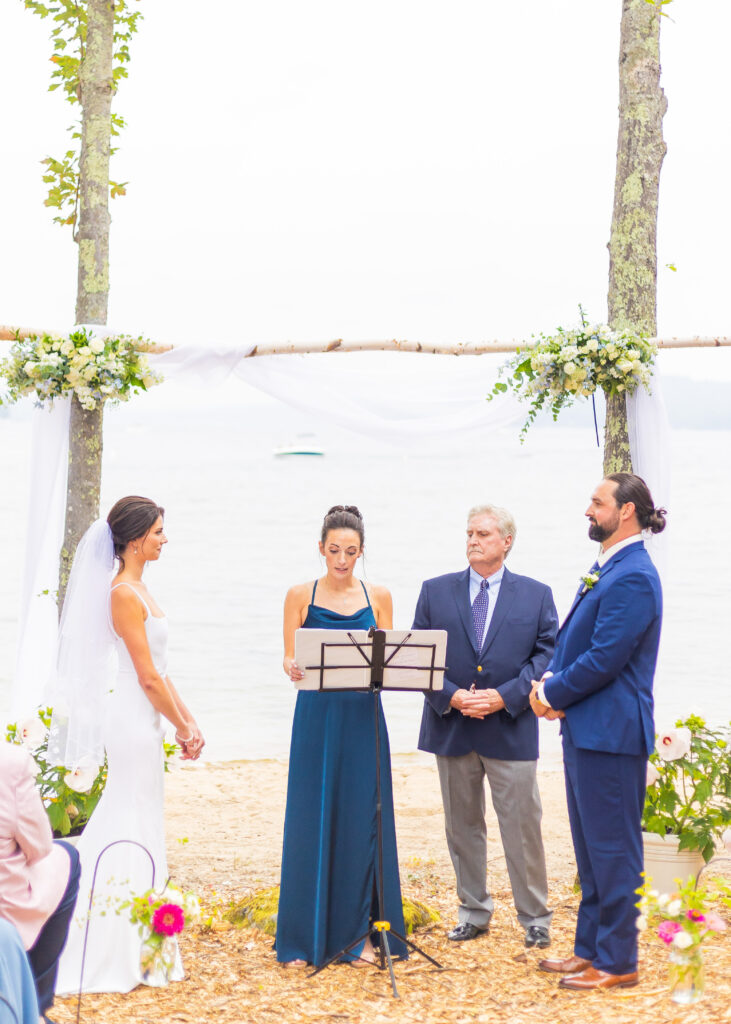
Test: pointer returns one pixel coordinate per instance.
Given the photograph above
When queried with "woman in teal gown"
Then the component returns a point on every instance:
(328, 893)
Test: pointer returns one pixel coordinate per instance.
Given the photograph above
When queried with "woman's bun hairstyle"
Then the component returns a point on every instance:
(343, 517)
(130, 518)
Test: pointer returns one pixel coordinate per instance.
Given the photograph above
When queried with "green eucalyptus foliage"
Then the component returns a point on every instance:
(69, 19)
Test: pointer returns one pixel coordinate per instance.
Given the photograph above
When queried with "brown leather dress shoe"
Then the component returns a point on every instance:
(590, 979)
(569, 965)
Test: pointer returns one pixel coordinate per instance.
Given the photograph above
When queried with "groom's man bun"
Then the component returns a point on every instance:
(130, 518)
(631, 487)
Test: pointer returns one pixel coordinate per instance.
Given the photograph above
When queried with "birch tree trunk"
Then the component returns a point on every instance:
(85, 430)
(632, 298)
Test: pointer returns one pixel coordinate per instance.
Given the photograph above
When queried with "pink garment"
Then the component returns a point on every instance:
(34, 871)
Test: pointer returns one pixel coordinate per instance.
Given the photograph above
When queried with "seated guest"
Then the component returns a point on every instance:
(39, 878)
(18, 1003)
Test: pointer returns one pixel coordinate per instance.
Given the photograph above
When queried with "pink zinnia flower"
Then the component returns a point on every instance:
(168, 919)
(695, 915)
(668, 930)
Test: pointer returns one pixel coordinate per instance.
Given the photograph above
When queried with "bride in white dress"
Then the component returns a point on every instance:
(126, 720)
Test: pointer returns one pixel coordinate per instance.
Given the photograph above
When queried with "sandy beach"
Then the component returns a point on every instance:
(224, 831)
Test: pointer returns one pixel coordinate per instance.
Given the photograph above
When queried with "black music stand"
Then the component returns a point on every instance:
(372, 654)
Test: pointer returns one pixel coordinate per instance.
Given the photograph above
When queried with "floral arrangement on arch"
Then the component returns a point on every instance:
(161, 916)
(69, 792)
(561, 367)
(96, 370)
(689, 786)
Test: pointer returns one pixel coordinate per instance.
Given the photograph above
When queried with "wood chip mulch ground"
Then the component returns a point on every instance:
(232, 976)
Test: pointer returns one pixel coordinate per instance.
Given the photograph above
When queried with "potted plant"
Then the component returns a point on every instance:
(69, 794)
(688, 800)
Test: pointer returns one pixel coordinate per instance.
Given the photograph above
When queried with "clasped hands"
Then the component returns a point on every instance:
(191, 748)
(474, 703)
(538, 708)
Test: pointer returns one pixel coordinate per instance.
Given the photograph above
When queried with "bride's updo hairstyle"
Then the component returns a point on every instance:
(633, 488)
(343, 517)
(129, 519)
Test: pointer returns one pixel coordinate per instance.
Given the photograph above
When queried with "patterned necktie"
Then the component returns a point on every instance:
(479, 613)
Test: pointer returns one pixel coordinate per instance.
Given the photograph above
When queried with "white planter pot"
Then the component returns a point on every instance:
(664, 863)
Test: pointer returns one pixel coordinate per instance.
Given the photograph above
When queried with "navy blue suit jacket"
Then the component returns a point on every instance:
(517, 648)
(605, 658)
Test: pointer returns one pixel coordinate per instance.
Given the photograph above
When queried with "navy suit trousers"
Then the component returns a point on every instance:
(606, 794)
(46, 950)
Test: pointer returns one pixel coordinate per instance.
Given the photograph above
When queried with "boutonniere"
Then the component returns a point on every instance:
(589, 579)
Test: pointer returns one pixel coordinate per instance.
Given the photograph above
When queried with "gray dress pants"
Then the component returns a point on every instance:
(517, 803)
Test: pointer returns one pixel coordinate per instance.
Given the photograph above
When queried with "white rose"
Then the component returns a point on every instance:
(85, 350)
(624, 365)
(674, 907)
(569, 368)
(592, 345)
(663, 899)
(96, 345)
(652, 774)
(682, 940)
(673, 744)
(32, 732)
(82, 776)
(30, 367)
(67, 348)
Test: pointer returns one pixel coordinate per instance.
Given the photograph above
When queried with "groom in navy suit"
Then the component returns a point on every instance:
(501, 630)
(600, 684)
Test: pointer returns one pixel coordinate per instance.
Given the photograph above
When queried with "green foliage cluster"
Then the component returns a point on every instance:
(68, 35)
(96, 370)
(691, 797)
(557, 369)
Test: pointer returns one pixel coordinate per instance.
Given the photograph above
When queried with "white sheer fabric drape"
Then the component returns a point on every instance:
(38, 618)
(419, 403)
(413, 401)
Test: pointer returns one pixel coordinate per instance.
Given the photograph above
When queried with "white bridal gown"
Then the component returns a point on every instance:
(131, 808)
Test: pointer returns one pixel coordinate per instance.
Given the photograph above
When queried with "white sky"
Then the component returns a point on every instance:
(437, 171)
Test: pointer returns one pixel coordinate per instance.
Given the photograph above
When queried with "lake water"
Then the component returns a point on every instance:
(243, 527)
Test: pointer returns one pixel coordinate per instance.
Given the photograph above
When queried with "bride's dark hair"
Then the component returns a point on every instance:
(130, 518)
(343, 517)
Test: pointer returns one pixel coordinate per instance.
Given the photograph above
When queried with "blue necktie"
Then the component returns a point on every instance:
(479, 613)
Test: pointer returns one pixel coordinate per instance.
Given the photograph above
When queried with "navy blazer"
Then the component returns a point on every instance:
(605, 658)
(517, 648)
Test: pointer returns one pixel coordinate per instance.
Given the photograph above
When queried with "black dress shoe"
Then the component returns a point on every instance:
(537, 936)
(465, 932)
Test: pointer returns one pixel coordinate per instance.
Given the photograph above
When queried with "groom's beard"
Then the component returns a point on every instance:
(601, 533)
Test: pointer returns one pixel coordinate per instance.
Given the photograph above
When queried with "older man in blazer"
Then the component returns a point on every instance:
(501, 629)
(600, 685)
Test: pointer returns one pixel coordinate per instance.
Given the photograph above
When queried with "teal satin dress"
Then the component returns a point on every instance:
(329, 860)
